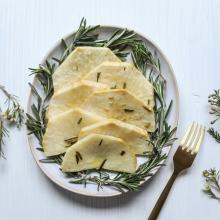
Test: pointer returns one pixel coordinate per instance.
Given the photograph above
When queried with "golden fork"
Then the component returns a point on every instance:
(183, 159)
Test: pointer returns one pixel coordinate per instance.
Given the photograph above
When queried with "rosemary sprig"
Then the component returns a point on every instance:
(36, 123)
(122, 42)
(13, 115)
(212, 185)
(84, 36)
(214, 100)
(215, 134)
(123, 181)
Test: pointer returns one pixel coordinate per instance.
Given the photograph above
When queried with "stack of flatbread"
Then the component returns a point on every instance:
(100, 113)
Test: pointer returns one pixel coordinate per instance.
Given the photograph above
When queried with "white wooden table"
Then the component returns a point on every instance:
(188, 33)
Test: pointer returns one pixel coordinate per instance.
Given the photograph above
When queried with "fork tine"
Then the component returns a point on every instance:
(192, 146)
(200, 140)
(192, 133)
(186, 134)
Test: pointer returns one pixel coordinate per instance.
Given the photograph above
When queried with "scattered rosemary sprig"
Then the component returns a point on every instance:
(13, 115)
(214, 100)
(122, 43)
(215, 134)
(212, 183)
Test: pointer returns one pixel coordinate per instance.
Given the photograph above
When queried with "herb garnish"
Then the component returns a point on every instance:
(146, 108)
(212, 176)
(13, 115)
(79, 155)
(98, 75)
(122, 43)
(122, 153)
(128, 110)
(77, 158)
(214, 100)
(124, 85)
(71, 141)
(102, 164)
(100, 143)
(212, 185)
(79, 121)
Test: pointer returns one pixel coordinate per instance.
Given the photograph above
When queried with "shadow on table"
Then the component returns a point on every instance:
(109, 202)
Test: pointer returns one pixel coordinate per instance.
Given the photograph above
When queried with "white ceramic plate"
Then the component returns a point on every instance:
(52, 170)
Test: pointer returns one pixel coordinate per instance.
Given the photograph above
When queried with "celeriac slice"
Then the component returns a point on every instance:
(124, 75)
(79, 63)
(122, 105)
(66, 126)
(97, 151)
(134, 136)
(72, 96)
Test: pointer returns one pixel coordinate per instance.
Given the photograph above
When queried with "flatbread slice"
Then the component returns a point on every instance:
(66, 126)
(72, 96)
(135, 137)
(122, 105)
(97, 151)
(124, 75)
(79, 63)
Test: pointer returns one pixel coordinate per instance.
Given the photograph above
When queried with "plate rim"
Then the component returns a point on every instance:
(29, 137)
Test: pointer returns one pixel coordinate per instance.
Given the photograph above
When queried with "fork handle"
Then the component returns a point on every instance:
(156, 210)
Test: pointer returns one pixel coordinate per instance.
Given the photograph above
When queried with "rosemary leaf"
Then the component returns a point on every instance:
(71, 141)
(128, 110)
(98, 75)
(124, 85)
(122, 153)
(102, 164)
(79, 121)
(100, 143)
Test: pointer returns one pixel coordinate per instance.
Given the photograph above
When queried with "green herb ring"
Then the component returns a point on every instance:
(123, 43)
